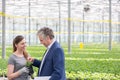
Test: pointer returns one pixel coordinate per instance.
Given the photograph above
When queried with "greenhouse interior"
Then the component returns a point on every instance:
(88, 31)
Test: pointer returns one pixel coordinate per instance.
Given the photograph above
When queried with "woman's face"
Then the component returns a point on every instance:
(21, 45)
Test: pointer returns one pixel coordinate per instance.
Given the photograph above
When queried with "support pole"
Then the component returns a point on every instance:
(110, 27)
(69, 26)
(3, 30)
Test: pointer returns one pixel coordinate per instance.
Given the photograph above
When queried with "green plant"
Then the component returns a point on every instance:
(29, 66)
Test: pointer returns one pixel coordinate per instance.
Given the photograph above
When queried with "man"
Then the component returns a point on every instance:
(52, 63)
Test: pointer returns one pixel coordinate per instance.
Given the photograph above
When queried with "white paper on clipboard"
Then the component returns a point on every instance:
(42, 78)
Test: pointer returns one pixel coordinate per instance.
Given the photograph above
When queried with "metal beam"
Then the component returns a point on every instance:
(3, 30)
(29, 25)
(69, 26)
(59, 4)
(110, 27)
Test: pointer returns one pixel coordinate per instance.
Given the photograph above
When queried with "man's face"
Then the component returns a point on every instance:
(44, 41)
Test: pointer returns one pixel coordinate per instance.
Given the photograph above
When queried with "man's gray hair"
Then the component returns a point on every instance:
(45, 31)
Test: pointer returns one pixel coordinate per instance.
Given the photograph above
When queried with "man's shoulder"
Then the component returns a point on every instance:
(56, 45)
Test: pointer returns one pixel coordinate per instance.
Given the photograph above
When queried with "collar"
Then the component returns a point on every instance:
(51, 44)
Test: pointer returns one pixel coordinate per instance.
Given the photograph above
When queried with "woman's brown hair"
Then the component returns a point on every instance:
(16, 40)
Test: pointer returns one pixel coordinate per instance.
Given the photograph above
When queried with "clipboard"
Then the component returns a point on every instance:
(42, 78)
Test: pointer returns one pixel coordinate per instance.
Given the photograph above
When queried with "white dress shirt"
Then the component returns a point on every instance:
(45, 55)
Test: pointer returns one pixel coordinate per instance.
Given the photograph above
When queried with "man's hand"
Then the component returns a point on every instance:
(30, 59)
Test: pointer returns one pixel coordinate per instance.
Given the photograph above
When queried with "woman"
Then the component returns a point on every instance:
(17, 61)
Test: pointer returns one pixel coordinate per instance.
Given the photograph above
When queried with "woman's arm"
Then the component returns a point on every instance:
(10, 73)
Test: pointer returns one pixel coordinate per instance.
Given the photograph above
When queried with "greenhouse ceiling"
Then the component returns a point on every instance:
(54, 8)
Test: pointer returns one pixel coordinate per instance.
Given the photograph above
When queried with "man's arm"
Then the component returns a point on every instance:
(36, 63)
(58, 64)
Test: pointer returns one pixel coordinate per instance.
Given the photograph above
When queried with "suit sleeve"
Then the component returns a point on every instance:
(36, 63)
(58, 64)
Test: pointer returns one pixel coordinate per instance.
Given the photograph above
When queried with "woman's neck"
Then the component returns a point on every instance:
(19, 53)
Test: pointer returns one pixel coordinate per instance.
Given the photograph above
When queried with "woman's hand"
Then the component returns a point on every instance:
(23, 70)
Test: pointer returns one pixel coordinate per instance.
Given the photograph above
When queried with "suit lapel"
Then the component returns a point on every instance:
(49, 52)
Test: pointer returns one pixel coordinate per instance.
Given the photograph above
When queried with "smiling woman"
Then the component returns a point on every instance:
(17, 61)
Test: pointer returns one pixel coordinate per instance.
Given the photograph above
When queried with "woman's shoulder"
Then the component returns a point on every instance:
(11, 59)
(12, 56)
